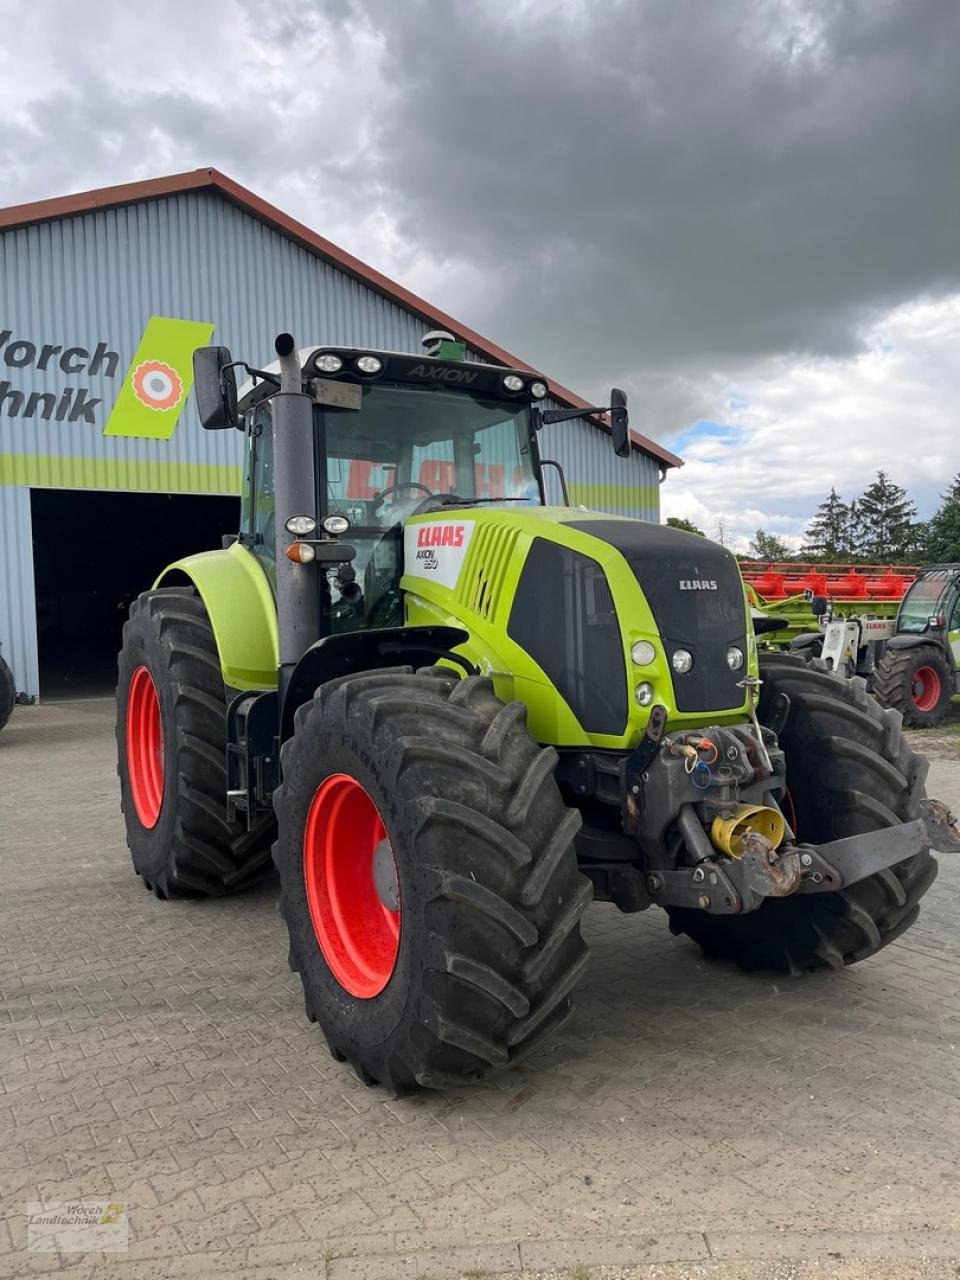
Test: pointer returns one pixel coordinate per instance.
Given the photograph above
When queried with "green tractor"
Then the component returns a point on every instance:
(919, 671)
(455, 714)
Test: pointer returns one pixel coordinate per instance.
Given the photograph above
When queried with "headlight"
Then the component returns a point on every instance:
(512, 382)
(301, 526)
(681, 661)
(369, 364)
(643, 653)
(538, 390)
(328, 363)
(336, 524)
(643, 693)
(734, 657)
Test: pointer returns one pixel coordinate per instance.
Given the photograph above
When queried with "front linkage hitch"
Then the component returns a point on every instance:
(661, 801)
(732, 886)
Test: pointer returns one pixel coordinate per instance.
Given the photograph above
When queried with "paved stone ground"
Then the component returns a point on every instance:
(693, 1121)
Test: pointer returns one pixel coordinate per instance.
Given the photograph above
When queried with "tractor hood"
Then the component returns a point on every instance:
(559, 597)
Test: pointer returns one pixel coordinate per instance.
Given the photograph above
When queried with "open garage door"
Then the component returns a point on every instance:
(93, 553)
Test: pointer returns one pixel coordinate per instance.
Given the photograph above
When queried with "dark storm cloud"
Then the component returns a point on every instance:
(654, 192)
(693, 183)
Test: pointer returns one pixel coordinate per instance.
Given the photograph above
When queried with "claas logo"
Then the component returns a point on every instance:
(440, 535)
(156, 385)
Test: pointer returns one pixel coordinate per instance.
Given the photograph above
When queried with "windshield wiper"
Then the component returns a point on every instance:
(453, 500)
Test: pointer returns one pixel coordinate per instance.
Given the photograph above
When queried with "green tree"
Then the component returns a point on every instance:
(767, 546)
(829, 532)
(886, 528)
(942, 541)
(678, 522)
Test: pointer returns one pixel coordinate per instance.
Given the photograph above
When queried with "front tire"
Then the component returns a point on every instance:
(849, 771)
(171, 748)
(917, 682)
(426, 793)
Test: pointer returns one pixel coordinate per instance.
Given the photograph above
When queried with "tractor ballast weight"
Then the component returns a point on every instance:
(456, 714)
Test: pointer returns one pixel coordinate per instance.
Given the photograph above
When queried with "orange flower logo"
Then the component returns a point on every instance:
(156, 385)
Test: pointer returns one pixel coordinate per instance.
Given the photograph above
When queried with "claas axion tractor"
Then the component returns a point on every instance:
(454, 714)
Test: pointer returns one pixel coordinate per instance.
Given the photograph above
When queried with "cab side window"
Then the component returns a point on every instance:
(258, 509)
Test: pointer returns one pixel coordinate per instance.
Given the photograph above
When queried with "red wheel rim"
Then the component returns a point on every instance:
(358, 934)
(145, 747)
(926, 688)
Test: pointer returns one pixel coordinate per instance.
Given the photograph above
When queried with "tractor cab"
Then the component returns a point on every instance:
(393, 436)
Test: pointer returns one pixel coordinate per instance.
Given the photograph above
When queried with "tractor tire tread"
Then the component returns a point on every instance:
(208, 853)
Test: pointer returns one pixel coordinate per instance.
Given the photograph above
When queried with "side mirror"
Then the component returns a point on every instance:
(820, 605)
(619, 423)
(215, 384)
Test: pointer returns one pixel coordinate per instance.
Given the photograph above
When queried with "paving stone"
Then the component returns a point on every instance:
(690, 1116)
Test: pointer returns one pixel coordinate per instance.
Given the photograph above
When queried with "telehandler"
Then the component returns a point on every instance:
(457, 714)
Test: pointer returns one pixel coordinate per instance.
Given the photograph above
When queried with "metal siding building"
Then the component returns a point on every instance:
(86, 274)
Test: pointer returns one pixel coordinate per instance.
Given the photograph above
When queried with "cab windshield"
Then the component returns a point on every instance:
(408, 445)
(922, 602)
(408, 450)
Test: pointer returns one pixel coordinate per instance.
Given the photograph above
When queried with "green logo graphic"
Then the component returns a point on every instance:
(159, 379)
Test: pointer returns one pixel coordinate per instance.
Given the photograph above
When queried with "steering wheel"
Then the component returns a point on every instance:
(380, 499)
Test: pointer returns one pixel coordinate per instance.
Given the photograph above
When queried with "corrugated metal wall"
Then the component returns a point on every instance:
(100, 276)
(18, 618)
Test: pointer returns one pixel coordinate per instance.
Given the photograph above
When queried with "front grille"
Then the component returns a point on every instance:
(705, 621)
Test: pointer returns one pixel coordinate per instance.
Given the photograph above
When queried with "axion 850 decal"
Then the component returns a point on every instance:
(435, 551)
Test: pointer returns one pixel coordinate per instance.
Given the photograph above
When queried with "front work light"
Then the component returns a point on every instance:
(336, 524)
(301, 526)
(538, 390)
(329, 363)
(512, 382)
(369, 364)
(681, 661)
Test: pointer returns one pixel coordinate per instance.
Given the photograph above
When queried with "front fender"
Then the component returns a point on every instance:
(905, 640)
(356, 651)
(239, 601)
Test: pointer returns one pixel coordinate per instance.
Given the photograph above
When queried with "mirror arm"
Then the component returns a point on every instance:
(548, 416)
(254, 373)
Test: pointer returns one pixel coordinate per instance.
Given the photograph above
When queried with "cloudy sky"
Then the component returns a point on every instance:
(747, 213)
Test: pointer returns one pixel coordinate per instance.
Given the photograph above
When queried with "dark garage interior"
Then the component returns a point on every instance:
(93, 553)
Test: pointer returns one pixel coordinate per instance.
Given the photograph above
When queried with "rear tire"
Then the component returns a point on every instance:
(849, 770)
(490, 896)
(173, 787)
(8, 693)
(917, 682)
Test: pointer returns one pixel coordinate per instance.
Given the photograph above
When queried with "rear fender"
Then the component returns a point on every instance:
(239, 601)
